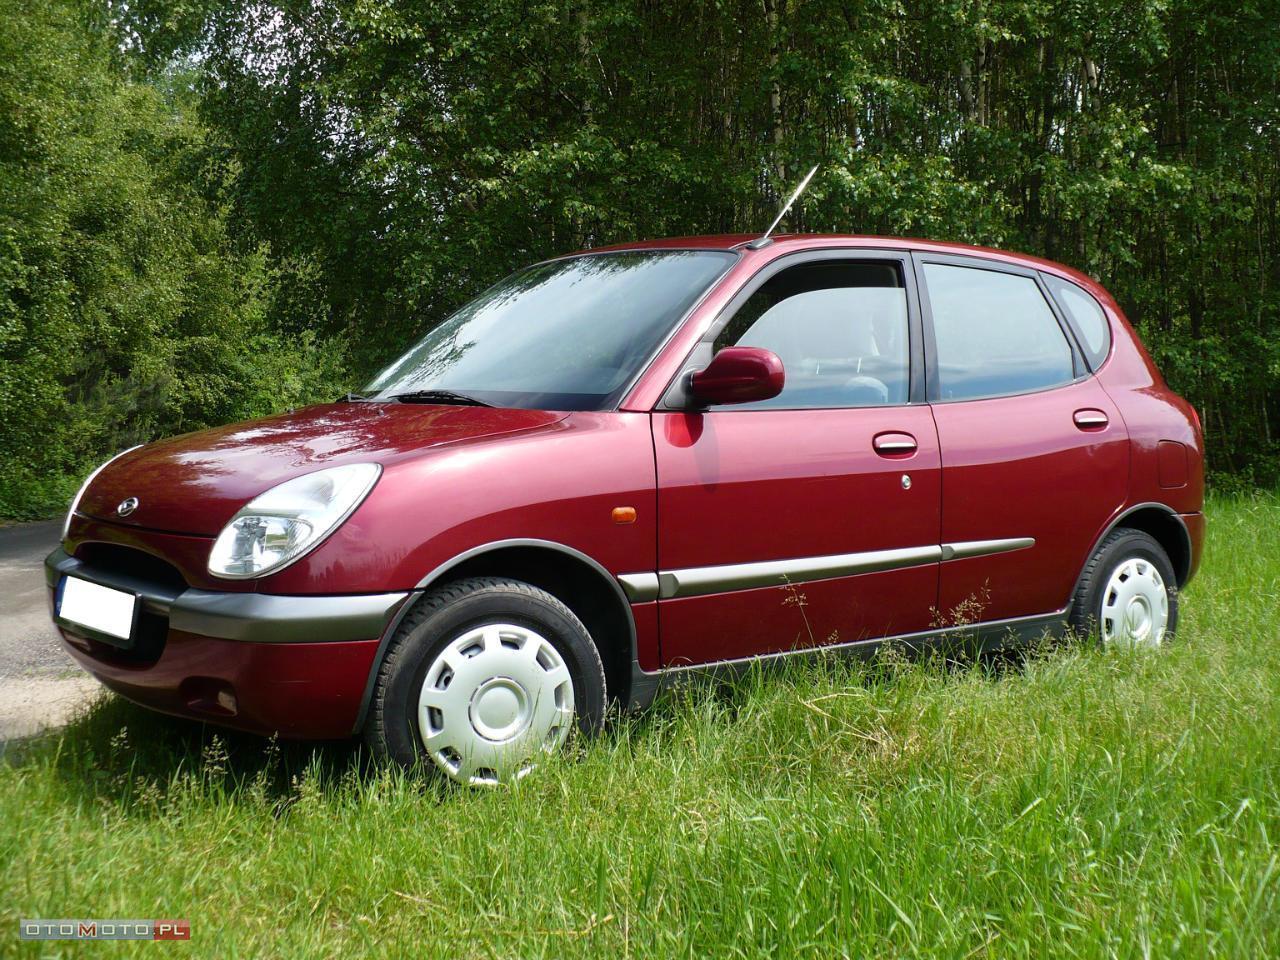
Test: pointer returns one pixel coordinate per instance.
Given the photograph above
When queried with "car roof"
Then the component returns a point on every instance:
(793, 242)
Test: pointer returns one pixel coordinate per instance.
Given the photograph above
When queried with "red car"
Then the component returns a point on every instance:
(627, 464)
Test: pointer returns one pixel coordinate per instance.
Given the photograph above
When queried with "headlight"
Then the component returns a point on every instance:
(278, 527)
(71, 511)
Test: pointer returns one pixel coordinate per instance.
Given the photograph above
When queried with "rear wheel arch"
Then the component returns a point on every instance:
(575, 579)
(1164, 526)
(1127, 592)
(1162, 523)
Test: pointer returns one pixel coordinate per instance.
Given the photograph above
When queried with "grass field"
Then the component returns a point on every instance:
(1083, 804)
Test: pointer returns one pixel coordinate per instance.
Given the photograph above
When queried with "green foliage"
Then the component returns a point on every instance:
(178, 179)
(1085, 804)
(400, 155)
(126, 311)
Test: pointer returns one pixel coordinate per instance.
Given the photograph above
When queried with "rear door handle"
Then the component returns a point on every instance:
(894, 444)
(1090, 419)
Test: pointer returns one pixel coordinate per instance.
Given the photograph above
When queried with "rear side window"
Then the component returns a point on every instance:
(840, 329)
(995, 334)
(1086, 316)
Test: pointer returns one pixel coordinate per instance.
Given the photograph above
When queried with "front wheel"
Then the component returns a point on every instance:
(1128, 592)
(483, 678)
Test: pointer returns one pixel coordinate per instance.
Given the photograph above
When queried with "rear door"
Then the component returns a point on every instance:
(811, 518)
(1035, 457)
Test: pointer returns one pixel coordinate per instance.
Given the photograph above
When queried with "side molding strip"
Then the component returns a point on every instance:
(639, 587)
(984, 548)
(699, 581)
(725, 578)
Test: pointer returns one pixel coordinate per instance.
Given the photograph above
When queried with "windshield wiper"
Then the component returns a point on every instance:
(353, 398)
(438, 396)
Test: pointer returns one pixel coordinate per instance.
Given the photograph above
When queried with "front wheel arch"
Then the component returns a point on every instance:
(501, 622)
(572, 577)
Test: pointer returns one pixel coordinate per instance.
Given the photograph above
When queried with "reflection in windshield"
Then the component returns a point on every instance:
(565, 335)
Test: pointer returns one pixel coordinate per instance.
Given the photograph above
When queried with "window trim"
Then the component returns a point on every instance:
(676, 398)
(933, 389)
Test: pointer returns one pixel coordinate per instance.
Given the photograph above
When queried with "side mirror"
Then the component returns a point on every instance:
(738, 375)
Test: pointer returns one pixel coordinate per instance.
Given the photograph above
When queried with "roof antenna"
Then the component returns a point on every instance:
(764, 241)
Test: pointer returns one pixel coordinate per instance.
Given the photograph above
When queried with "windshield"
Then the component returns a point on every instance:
(565, 335)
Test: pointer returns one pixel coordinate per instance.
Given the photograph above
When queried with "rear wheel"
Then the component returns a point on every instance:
(1128, 593)
(483, 679)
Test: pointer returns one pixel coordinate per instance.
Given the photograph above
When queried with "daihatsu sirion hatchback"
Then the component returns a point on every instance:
(628, 464)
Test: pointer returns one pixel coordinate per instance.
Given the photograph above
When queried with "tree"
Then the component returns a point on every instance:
(353, 170)
(125, 311)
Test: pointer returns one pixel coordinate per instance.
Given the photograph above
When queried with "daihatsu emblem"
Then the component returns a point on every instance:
(127, 507)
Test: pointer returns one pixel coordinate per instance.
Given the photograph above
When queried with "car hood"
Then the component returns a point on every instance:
(195, 483)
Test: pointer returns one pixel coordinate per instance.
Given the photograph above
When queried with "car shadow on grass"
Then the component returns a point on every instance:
(141, 762)
(730, 691)
(122, 754)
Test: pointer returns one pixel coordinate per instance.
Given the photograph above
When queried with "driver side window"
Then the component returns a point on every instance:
(840, 329)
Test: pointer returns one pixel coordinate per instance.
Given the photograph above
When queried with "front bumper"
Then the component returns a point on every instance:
(293, 665)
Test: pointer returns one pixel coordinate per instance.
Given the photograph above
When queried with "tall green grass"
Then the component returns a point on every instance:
(1078, 804)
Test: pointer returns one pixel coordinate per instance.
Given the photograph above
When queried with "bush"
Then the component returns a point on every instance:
(126, 311)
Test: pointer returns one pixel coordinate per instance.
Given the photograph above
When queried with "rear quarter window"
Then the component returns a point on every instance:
(1086, 315)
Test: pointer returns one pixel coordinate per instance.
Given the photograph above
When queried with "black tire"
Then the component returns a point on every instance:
(440, 615)
(1117, 548)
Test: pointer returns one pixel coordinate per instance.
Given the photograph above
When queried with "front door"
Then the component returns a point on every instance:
(1035, 456)
(812, 518)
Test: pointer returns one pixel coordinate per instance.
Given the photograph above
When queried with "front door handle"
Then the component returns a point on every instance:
(1090, 419)
(894, 444)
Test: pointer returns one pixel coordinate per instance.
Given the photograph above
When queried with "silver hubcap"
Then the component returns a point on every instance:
(493, 700)
(1135, 605)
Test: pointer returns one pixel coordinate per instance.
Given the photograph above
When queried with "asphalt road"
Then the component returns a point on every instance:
(28, 645)
(40, 685)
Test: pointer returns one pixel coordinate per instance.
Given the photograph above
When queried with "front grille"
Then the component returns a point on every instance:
(134, 563)
(157, 581)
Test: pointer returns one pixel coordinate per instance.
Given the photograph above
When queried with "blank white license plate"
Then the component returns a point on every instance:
(97, 607)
